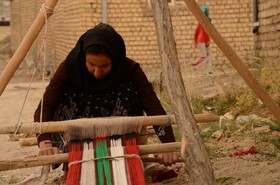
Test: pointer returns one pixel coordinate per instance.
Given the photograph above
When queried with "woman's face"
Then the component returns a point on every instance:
(98, 65)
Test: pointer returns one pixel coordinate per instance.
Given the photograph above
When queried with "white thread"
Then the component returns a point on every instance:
(100, 129)
(88, 169)
(119, 172)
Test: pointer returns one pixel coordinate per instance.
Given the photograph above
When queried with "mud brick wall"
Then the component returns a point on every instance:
(133, 19)
(268, 35)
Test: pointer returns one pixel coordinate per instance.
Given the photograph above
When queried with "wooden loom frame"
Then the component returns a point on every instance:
(196, 158)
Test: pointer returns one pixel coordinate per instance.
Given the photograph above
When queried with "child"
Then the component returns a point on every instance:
(202, 40)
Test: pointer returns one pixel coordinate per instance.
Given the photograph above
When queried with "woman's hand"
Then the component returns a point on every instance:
(46, 148)
(167, 158)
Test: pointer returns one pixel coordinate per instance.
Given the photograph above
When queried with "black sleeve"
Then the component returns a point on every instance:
(149, 99)
(52, 98)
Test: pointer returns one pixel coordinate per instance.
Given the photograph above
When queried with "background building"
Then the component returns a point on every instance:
(134, 20)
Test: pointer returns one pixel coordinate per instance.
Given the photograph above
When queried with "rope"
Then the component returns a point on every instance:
(45, 10)
(161, 131)
(126, 156)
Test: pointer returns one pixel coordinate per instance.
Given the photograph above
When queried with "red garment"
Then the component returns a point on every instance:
(201, 35)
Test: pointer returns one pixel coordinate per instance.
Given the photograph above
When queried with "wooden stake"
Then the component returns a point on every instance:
(63, 158)
(197, 162)
(28, 141)
(61, 126)
(233, 58)
(25, 45)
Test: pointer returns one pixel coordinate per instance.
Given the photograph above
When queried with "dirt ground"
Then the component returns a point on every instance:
(257, 169)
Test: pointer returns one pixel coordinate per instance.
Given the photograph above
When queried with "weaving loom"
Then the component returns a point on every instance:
(101, 150)
(197, 163)
(105, 160)
(109, 154)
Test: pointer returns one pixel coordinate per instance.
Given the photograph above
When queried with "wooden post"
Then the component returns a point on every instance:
(233, 58)
(25, 45)
(197, 162)
(63, 158)
(61, 126)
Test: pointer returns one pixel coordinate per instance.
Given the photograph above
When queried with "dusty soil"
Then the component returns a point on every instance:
(258, 169)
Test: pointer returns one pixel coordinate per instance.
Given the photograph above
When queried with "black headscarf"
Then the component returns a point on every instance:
(104, 35)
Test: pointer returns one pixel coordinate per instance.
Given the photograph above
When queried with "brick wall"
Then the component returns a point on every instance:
(268, 36)
(133, 19)
(22, 17)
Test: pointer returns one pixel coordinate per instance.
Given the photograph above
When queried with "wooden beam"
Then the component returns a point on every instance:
(197, 162)
(25, 45)
(61, 126)
(63, 158)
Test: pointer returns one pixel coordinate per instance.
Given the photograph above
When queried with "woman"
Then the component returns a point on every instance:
(98, 80)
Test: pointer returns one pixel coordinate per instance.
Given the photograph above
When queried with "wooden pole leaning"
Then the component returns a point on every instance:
(61, 126)
(233, 58)
(193, 150)
(63, 158)
(25, 45)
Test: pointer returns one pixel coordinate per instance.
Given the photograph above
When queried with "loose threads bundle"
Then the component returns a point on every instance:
(75, 154)
(88, 168)
(135, 168)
